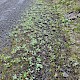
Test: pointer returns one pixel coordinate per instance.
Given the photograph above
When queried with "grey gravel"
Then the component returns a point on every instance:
(71, 16)
(10, 13)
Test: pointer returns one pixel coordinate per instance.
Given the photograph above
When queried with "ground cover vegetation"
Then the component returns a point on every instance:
(46, 44)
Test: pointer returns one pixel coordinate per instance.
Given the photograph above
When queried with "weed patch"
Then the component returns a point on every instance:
(41, 45)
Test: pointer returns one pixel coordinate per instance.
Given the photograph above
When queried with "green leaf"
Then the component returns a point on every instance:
(39, 66)
(33, 41)
(25, 74)
(14, 77)
(38, 59)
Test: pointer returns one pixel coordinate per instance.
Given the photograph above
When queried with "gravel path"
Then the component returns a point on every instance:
(10, 11)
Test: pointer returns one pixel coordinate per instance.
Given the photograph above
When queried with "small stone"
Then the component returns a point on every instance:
(78, 15)
(65, 74)
(71, 16)
(75, 64)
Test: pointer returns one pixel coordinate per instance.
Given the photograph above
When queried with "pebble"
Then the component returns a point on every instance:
(78, 15)
(65, 74)
(71, 16)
